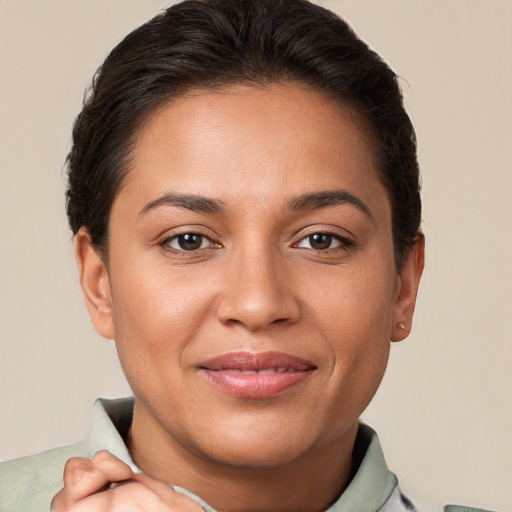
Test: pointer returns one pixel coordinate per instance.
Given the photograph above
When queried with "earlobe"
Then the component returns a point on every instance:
(410, 275)
(95, 284)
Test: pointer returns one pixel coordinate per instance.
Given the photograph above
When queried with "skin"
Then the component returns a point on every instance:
(258, 283)
(105, 483)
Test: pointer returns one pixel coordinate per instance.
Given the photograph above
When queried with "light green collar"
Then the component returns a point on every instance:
(370, 488)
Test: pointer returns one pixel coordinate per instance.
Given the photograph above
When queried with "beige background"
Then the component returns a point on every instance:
(444, 409)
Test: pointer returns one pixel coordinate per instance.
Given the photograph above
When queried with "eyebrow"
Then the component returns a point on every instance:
(311, 201)
(188, 201)
(327, 198)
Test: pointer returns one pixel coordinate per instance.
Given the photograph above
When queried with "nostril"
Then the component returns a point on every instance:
(257, 303)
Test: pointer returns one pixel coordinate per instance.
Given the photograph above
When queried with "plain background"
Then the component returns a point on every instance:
(444, 409)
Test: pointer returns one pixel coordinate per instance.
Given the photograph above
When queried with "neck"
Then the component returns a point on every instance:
(312, 481)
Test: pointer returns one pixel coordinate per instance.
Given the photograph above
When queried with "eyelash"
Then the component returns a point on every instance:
(344, 243)
(166, 242)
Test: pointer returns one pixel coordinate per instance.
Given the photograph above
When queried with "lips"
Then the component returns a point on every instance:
(260, 375)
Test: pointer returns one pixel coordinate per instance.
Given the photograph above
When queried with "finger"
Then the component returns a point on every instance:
(98, 473)
(166, 493)
(83, 477)
(135, 496)
(113, 468)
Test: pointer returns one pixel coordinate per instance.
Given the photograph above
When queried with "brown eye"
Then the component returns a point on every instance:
(324, 241)
(320, 241)
(187, 242)
(190, 241)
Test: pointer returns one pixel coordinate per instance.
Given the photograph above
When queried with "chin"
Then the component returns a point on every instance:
(258, 444)
(254, 454)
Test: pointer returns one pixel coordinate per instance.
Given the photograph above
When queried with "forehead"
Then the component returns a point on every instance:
(252, 143)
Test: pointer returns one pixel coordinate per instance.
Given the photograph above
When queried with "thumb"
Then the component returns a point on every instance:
(168, 495)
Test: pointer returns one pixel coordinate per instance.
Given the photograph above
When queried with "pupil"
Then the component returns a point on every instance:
(189, 241)
(320, 241)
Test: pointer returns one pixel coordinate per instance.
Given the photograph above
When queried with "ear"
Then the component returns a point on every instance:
(95, 284)
(409, 280)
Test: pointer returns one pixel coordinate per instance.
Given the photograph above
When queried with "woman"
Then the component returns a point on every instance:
(243, 190)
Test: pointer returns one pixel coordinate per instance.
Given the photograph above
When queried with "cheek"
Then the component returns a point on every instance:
(355, 302)
(355, 316)
(156, 314)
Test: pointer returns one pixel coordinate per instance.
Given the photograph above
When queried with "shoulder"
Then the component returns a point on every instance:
(398, 502)
(28, 484)
(460, 508)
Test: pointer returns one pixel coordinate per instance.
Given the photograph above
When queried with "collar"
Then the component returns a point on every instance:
(368, 491)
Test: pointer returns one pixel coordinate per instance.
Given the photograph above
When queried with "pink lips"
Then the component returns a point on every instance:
(260, 375)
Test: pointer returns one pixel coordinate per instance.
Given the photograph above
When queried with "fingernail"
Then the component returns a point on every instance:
(78, 474)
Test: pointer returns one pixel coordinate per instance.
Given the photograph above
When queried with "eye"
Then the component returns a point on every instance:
(323, 241)
(188, 242)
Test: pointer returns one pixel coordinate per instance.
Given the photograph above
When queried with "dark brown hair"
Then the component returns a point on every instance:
(215, 43)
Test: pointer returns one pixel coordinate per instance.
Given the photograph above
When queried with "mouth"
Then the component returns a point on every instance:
(256, 375)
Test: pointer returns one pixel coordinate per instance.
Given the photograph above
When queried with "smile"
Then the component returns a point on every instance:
(261, 375)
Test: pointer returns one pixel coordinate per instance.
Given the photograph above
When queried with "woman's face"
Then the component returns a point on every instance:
(251, 286)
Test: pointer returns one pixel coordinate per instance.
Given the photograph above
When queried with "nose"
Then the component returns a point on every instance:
(258, 292)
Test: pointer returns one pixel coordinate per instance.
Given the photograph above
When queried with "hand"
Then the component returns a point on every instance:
(106, 484)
